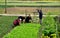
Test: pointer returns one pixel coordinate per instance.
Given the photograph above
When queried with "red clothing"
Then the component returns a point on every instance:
(16, 22)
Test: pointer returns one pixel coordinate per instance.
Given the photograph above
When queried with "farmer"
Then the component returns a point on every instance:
(41, 27)
(16, 22)
(40, 15)
(28, 19)
(22, 18)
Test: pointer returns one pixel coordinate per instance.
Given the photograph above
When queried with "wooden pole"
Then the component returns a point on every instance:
(5, 6)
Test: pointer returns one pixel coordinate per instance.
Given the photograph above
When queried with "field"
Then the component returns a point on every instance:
(22, 31)
(6, 26)
(30, 0)
(30, 10)
(29, 3)
(30, 7)
(27, 30)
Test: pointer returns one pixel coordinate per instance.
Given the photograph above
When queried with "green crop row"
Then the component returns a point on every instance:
(24, 31)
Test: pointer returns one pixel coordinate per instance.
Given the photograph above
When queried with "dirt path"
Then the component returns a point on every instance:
(22, 15)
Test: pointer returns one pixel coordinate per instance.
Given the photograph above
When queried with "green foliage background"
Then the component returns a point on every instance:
(49, 25)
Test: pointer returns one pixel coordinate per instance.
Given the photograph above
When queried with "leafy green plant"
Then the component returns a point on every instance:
(24, 31)
(50, 26)
(57, 20)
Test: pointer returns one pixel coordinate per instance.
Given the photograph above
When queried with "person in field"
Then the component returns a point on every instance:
(22, 18)
(40, 15)
(41, 27)
(28, 19)
(16, 22)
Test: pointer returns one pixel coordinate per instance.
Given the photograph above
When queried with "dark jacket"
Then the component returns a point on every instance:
(40, 14)
(27, 20)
